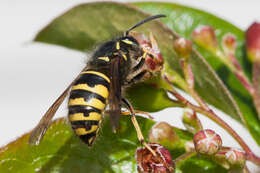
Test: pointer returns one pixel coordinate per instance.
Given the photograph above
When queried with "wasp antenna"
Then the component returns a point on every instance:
(144, 21)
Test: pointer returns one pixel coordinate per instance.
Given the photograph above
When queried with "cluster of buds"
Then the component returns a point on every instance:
(205, 37)
(208, 142)
(153, 59)
(148, 163)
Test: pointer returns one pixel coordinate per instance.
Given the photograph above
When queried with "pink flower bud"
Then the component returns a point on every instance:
(229, 44)
(148, 163)
(207, 142)
(163, 133)
(235, 157)
(253, 42)
(191, 121)
(183, 47)
(205, 37)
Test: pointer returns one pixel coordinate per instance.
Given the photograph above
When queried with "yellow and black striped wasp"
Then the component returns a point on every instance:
(114, 65)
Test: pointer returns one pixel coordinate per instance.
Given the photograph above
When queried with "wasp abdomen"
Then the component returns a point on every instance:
(87, 101)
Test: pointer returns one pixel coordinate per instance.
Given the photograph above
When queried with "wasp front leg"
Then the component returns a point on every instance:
(136, 125)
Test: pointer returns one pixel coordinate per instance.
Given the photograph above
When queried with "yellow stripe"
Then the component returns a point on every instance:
(83, 131)
(104, 58)
(127, 41)
(92, 102)
(124, 56)
(98, 74)
(98, 89)
(117, 45)
(81, 117)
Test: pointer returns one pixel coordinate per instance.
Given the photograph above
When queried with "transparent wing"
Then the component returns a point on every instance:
(39, 131)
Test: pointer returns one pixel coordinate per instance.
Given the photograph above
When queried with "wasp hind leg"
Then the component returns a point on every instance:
(136, 125)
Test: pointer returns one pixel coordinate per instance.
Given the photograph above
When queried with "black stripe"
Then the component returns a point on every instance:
(83, 124)
(92, 80)
(87, 95)
(83, 109)
(86, 137)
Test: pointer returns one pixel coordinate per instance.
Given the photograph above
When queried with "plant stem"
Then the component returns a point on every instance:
(256, 95)
(190, 83)
(210, 114)
(232, 63)
(184, 157)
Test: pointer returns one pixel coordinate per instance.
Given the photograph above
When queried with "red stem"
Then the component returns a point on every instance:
(256, 95)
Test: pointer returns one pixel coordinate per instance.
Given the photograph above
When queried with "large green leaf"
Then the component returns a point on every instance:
(86, 25)
(184, 20)
(61, 151)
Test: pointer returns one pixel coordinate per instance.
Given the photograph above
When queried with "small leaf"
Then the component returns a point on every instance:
(184, 20)
(61, 151)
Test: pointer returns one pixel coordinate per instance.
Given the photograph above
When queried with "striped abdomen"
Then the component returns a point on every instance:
(87, 101)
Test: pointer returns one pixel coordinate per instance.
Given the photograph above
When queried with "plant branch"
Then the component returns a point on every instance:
(210, 114)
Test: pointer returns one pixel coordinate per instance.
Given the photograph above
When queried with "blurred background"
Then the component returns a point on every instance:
(33, 75)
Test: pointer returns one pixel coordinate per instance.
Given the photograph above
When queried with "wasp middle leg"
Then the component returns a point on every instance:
(137, 127)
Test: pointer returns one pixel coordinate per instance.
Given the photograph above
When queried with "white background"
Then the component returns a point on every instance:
(32, 75)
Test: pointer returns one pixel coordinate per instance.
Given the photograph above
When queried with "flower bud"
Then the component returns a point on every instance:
(191, 121)
(163, 133)
(229, 44)
(253, 42)
(205, 37)
(235, 157)
(148, 163)
(183, 47)
(207, 142)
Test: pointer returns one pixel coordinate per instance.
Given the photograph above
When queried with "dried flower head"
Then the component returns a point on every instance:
(148, 163)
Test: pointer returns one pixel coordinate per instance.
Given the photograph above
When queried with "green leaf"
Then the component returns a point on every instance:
(86, 25)
(184, 20)
(61, 151)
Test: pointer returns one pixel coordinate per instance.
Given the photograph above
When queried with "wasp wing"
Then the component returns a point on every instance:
(115, 93)
(39, 131)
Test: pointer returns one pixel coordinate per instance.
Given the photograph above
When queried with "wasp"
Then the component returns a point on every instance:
(114, 65)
